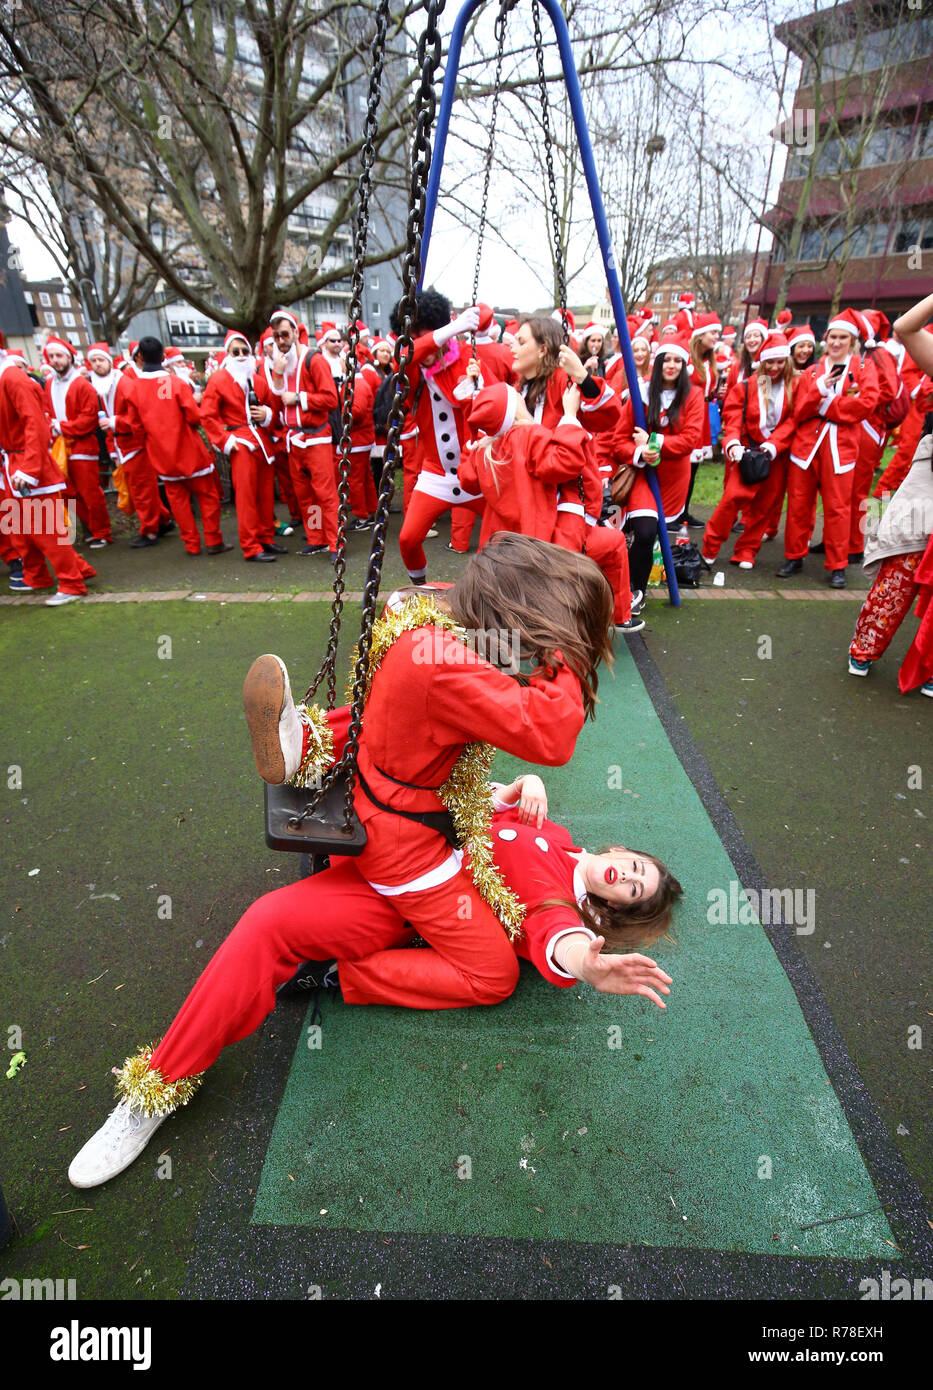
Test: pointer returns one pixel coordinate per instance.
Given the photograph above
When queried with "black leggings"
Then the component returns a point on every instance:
(643, 530)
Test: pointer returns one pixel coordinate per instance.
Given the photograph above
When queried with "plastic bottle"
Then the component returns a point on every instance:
(657, 566)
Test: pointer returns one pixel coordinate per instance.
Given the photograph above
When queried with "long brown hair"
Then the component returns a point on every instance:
(547, 334)
(704, 360)
(788, 377)
(554, 598)
(629, 925)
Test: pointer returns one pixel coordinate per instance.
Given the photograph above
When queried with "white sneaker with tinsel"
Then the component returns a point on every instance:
(274, 725)
(116, 1144)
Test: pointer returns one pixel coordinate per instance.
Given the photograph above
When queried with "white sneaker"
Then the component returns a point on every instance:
(57, 600)
(274, 725)
(746, 565)
(709, 563)
(116, 1144)
(927, 688)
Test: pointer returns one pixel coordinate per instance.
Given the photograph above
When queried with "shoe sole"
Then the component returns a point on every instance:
(263, 701)
(857, 673)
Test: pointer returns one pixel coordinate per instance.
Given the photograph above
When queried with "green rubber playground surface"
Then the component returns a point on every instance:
(590, 1127)
(580, 1116)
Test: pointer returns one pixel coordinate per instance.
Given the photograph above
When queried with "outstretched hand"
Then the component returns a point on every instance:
(628, 974)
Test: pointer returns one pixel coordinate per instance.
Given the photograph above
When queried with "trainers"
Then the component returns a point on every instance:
(99, 543)
(313, 974)
(142, 542)
(313, 550)
(273, 720)
(58, 599)
(708, 560)
(858, 668)
(638, 602)
(220, 549)
(745, 564)
(116, 1144)
(432, 534)
(634, 624)
(927, 688)
(19, 585)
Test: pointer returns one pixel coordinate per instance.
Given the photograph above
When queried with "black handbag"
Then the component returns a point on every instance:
(755, 464)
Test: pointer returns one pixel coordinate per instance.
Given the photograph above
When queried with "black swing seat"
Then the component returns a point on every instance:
(321, 832)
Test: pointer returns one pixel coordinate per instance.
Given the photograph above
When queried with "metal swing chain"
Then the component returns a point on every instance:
(429, 57)
(360, 242)
(557, 243)
(504, 7)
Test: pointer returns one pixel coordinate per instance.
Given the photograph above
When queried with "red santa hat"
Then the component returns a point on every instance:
(668, 330)
(803, 333)
(171, 353)
(53, 341)
(486, 317)
(380, 342)
(289, 317)
(232, 337)
(686, 300)
(646, 312)
(119, 362)
(879, 323)
(571, 321)
(593, 329)
(728, 335)
(703, 323)
(783, 319)
(133, 348)
(677, 346)
(775, 348)
(849, 321)
(756, 326)
(264, 336)
(101, 350)
(493, 409)
(361, 328)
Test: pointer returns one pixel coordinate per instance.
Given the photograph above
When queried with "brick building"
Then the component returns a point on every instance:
(55, 309)
(860, 165)
(716, 282)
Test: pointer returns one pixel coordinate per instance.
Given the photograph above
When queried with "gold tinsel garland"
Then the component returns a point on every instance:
(465, 794)
(143, 1086)
(319, 753)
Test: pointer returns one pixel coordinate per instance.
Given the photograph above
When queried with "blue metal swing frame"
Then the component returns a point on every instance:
(599, 216)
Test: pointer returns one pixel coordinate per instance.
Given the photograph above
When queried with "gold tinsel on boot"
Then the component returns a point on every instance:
(319, 754)
(465, 794)
(144, 1087)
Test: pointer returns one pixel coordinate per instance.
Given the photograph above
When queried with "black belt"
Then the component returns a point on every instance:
(441, 821)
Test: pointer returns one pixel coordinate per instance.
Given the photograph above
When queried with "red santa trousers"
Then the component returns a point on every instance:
(462, 521)
(917, 666)
(41, 535)
(315, 482)
(337, 913)
(143, 484)
(254, 485)
(869, 457)
(283, 477)
(363, 495)
(756, 503)
(421, 513)
(89, 500)
(179, 496)
(836, 491)
(609, 549)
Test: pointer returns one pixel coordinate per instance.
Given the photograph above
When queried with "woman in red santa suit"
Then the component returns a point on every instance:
(495, 364)
(802, 341)
(33, 490)
(72, 405)
(830, 401)
(557, 605)
(544, 367)
(704, 335)
(674, 410)
(238, 409)
(516, 464)
(162, 407)
(305, 386)
(758, 414)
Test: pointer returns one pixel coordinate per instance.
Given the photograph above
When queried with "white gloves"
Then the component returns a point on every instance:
(467, 322)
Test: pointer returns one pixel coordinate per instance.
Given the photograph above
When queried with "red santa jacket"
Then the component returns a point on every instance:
(677, 442)
(745, 401)
(128, 434)
(452, 697)
(599, 414)
(163, 408)
(829, 415)
(438, 416)
(24, 434)
(889, 384)
(312, 380)
(520, 482)
(74, 405)
(226, 419)
(362, 430)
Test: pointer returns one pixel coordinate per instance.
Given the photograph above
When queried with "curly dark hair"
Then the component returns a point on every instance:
(433, 311)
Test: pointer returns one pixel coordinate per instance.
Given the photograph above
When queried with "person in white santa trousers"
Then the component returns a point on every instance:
(237, 411)
(72, 405)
